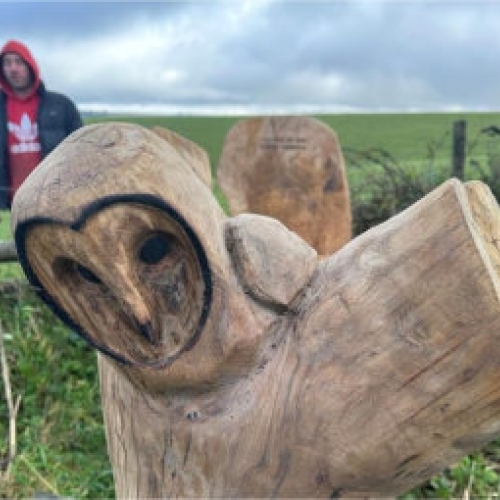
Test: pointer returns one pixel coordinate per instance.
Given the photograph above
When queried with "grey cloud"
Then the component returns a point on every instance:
(371, 54)
(70, 19)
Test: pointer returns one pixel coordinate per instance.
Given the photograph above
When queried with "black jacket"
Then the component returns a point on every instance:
(57, 118)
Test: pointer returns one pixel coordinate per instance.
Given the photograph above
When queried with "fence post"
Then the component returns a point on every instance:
(459, 134)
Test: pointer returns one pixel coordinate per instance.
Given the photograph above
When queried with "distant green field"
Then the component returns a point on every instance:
(407, 137)
(4, 226)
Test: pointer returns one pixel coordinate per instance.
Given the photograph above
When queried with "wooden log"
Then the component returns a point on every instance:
(8, 251)
(290, 168)
(235, 363)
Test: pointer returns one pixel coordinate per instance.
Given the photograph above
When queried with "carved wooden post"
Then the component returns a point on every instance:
(7, 251)
(235, 363)
(290, 168)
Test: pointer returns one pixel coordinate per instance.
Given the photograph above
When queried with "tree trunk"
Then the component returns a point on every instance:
(385, 373)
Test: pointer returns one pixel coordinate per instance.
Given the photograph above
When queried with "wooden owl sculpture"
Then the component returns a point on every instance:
(235, 363)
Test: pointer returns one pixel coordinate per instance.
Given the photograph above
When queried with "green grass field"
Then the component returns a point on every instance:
(60, 437)
(406, 136)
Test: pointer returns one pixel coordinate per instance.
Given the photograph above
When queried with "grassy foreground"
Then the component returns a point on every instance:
(60, 438)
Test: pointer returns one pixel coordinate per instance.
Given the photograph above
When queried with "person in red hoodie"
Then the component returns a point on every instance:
(33, 120)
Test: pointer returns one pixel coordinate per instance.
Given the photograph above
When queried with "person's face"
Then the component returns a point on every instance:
(17, 73)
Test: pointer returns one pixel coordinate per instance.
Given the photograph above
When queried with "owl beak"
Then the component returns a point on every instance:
(139, 314)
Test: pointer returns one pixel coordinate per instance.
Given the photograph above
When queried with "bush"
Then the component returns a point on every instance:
(381, 186)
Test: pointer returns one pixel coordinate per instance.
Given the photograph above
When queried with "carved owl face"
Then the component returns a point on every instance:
(110, 229)
(130, 277)
(121, 234)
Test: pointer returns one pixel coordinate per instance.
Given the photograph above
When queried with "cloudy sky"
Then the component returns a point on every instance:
(247, 56)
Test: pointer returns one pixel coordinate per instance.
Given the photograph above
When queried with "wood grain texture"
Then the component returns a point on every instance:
(272, 263)
(195, 156)
(360, 374)
(290, 168)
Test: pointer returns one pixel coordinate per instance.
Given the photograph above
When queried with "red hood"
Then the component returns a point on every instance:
(23, 51)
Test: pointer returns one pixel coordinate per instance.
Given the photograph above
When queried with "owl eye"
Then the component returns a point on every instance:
(155, 248)
(87, 274)
(69, 269)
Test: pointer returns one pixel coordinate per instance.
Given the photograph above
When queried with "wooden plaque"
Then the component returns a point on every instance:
(291, 169)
